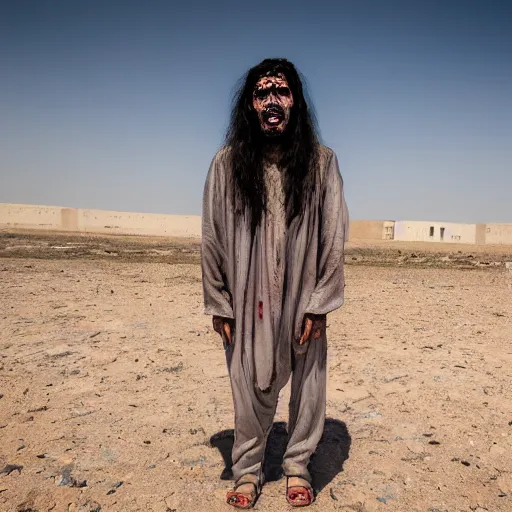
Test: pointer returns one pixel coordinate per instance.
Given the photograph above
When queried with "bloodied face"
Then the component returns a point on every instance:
(273, 100)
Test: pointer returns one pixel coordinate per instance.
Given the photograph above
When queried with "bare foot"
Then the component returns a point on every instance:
(243, 496)
(299, 492)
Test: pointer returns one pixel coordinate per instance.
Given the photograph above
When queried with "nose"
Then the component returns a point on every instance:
(271, 100)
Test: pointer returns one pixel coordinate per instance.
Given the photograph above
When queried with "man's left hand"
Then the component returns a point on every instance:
(314, 325)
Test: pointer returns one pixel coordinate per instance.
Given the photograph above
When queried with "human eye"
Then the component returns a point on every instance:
(260, 93)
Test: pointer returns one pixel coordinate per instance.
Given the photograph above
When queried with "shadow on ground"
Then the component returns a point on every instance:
(331, 453)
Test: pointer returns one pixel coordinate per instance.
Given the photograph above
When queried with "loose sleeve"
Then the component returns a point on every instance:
(217, 296)
(328, 294)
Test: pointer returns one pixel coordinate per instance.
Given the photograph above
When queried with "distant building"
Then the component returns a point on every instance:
(423, 231)
(498, 234)
(371, 229)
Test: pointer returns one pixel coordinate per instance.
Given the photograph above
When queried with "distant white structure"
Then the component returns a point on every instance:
(422, 231)
(498, 234)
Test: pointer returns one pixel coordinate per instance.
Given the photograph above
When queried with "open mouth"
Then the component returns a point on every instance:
(273, 116)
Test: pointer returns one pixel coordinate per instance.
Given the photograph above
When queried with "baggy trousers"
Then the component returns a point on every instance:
(255, 410)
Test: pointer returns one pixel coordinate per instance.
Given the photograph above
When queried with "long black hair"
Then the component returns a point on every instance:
(298, 146)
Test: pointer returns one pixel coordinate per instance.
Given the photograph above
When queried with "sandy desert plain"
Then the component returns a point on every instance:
(114, 393)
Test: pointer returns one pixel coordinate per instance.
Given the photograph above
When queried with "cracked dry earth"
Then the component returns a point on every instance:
(114, 393)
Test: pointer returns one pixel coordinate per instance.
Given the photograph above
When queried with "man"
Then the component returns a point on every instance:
(274, 227)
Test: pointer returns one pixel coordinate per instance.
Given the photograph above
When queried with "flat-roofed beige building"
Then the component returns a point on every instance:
(426, 231)
(498, 234)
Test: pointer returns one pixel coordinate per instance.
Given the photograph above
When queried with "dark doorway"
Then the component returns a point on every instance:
(442, 234)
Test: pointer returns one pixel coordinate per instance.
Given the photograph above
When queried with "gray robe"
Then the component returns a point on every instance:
(239, 283)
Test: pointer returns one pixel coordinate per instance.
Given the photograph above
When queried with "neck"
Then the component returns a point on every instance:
(272, 153)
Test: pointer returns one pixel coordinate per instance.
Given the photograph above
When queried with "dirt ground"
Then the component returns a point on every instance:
(114, 393)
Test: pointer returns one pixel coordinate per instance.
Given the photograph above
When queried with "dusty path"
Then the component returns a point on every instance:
(111, 378)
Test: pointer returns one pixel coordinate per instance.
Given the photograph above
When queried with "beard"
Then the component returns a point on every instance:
(274, 121)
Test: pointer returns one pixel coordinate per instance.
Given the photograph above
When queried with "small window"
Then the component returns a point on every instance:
(442, 234)
(431, 231)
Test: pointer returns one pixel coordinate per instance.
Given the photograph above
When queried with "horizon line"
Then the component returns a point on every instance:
(199, 215)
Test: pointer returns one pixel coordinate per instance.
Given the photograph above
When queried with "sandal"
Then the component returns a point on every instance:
(300, 495)
(244, 500)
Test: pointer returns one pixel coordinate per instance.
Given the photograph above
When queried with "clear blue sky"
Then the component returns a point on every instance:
(122, 104)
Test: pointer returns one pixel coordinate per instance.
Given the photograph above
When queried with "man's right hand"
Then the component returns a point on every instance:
(222, 326)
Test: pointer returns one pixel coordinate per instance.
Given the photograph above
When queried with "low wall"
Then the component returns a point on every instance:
(98, 221)
(127, 223)
(30, 217)
(55, 218)
(366, 230)
(498, 234)
(124, 223)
